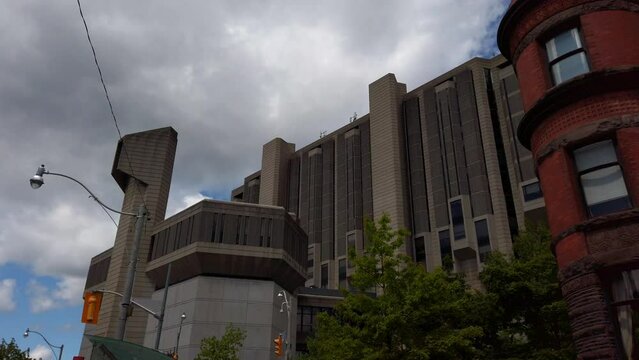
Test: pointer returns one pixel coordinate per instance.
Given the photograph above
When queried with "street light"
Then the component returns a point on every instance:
(37, 181)
(61, 347)
(177, 342)
(285, 302)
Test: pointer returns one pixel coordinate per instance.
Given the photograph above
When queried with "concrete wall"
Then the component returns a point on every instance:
(210, 304)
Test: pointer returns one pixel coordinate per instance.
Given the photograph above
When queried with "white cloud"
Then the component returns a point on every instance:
(66, 292)
(228, 76)
(7, 289)
(41, 351)
(186, 201)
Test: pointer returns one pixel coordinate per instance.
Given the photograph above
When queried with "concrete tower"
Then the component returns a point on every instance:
(142, 167)
(577, 62)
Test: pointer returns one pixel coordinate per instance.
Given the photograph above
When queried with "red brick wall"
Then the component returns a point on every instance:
(611, 38)
(628, 148)
(541, 11)
(559, 184)
(532, 74)
(571, 249)
(582, 112)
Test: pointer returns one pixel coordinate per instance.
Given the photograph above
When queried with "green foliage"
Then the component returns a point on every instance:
(530, 318)
(11, 351)
(416, 315)
(434, 315)
(225, 348)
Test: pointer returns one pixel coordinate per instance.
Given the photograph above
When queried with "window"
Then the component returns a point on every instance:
(566, 56)
(444, 247)
(483, 239)
(457, 215)
(624, 296)
(350, 240)
(420, 251)
(343, 284)
(306, 317)
(324, 276)
(532, 191)
(601, 178)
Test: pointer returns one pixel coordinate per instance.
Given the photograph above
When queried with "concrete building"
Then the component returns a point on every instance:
(442, 160)
(578, 66)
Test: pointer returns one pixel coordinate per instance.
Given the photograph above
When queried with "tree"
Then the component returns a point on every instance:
(225, 348)
(415, 315)
(530, 318)
(11, 351)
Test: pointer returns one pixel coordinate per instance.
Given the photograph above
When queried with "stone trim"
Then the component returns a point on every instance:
(586, 85)
(586, 133)
(627, 216)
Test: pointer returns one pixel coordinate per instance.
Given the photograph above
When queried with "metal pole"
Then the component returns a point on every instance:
(61, 348)
(161, 319)
(130, 277)
(288, 330)
(177, 342)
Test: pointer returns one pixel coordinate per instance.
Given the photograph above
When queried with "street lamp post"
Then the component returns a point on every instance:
(177, 342)
(37, 181)
(51, 346)
(285, 302)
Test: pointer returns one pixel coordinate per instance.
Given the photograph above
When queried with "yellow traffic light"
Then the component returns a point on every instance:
(278, 346)
(91, 310)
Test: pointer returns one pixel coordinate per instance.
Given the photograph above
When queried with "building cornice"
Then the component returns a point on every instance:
(581, 87)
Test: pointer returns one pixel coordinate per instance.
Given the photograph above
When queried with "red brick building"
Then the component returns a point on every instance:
(577, 62)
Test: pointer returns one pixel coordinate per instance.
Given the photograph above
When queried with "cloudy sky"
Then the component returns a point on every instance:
(211, 70)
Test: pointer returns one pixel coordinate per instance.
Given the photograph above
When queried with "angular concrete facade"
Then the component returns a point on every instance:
(442, 160)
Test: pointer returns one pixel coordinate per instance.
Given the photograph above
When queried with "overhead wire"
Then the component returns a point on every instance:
(106, 93)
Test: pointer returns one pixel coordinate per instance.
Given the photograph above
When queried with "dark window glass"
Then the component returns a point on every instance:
(566, 56)
(457, 215)
(306, 316)
(221, 239)
(324, 276)
(420, 251)
(601, 178)
(624, 295)
(350, 240)
(444, 246)
(342, 274)
(532, 191)
(483, 239)
(238, 228)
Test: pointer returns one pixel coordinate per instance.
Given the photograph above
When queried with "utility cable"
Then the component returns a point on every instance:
(106, 93)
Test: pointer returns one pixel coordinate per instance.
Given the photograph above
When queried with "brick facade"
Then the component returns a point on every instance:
(600, 104)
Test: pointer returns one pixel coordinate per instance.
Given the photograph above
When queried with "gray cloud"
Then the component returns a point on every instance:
(227, 75)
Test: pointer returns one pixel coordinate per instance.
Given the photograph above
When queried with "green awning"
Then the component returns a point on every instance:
(112, 349)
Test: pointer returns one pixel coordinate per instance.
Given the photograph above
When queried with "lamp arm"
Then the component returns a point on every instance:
(151, 312)
(91, 193)
(51, 346)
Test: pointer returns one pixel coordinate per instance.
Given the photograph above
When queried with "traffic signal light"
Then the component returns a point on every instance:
(278, 346)
(91, 310)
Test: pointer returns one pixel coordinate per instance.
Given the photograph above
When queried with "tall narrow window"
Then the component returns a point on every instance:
(601, 178)
(444, 248)
(324, 276)
(457, 215)
(342, 274)
(483, 239)
(566, 56)
(420, 250)
(350, 241)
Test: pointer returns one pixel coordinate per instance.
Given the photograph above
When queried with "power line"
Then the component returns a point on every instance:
(106, 94)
